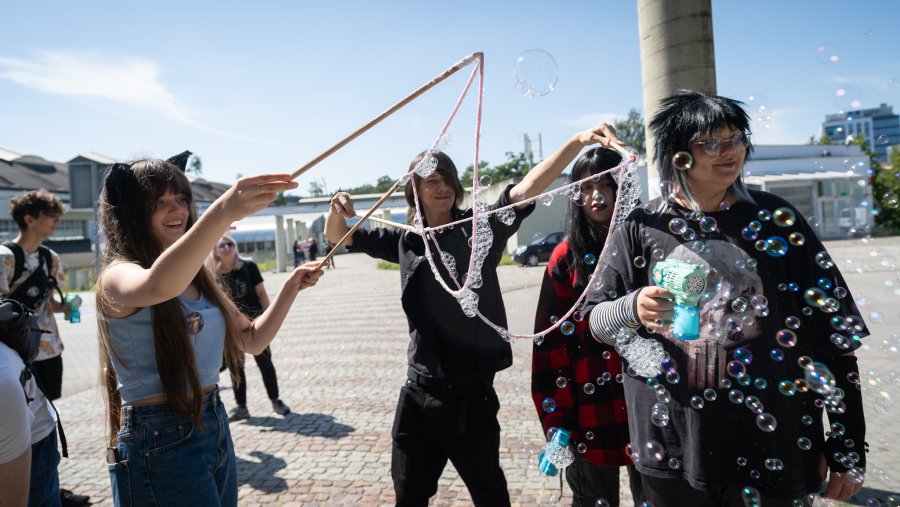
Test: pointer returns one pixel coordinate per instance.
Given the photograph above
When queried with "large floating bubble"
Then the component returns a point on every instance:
(535, 73)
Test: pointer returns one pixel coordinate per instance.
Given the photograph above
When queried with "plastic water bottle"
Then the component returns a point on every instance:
(73, 303)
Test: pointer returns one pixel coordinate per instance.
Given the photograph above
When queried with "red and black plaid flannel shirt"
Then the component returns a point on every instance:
(578, 359)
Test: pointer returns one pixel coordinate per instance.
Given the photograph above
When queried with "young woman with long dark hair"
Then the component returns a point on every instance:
(568, 366)
(164, 328)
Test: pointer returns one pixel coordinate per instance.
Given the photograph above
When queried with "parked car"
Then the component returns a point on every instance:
(539, 250)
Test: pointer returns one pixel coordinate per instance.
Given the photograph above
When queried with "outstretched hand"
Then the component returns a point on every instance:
(253, 193)
(342, 205)
(603, 134)
(307, 275)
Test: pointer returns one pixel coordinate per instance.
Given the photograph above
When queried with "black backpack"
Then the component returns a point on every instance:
(34, 290)
(19, 330)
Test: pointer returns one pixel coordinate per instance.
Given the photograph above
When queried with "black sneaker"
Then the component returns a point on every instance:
(280, 408)
(69, 499)
(238, 413)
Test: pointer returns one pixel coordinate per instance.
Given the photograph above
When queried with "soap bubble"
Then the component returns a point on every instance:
(697, 402)
(774, 464)
(590, 259)
(814, 297)
(804, 443)
(535, 73)
(786, 338)
(682, 160)
(797, 239)
(776, 246)
(751, 496)
(784, 217)
(567, 328)
(659, 414)
(677, 225)
(561, 382)
(766, 422)
(654, 450)
(824, 260)
(549, 405)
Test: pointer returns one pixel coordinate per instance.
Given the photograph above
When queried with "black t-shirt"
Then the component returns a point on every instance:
(241, 285)
(445, 343)
(722, 443)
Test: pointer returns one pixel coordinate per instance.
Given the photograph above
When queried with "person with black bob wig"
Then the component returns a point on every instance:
(729, 414)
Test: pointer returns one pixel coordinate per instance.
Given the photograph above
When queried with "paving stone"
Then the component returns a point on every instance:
(341, 360)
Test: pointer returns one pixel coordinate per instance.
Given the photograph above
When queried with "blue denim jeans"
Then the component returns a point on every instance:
(163, 459)
(43, 489)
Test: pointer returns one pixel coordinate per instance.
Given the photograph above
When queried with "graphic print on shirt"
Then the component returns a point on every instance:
(726, 317)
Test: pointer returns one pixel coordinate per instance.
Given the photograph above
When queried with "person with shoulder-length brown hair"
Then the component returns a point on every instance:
(164, 328)
(447, 410)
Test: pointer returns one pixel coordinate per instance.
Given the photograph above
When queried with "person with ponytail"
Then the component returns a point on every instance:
(165, 326)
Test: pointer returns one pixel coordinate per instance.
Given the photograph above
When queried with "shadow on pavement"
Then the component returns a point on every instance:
(871, 496)
(308, 425)
(260, 475)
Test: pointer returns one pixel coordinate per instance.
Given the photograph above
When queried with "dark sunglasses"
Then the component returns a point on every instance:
(714, 145)
(225, 244)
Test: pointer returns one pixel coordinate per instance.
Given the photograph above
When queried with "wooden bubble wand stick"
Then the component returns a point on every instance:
(393, 109)
(474, 57)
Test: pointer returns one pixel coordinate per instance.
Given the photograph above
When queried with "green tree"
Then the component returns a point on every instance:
(483, 169)
(516, 166)
(886, 190)
(630, 131)
(195, 165)
(383, 184)
(280, 199)
(823, 139)
(316, 189)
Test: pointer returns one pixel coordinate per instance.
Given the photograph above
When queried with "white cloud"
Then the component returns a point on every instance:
(128, 81)
(588, 120)
(781, 128)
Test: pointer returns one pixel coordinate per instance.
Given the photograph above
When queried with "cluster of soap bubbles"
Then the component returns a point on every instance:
(628, 195)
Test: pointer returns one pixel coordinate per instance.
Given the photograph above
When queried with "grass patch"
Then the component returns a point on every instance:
(507, 260)
(389, 266)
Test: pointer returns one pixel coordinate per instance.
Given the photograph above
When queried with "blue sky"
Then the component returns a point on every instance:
(268, 86)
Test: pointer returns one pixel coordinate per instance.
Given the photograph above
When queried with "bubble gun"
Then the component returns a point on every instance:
(686, 282)
(555, 449)
(73, 303)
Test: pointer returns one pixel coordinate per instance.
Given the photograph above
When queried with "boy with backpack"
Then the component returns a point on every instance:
(29, 273)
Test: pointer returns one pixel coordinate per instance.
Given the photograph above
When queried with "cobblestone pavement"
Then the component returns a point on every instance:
(341, 359)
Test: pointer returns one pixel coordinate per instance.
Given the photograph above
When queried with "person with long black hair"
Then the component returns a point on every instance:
(573, 382)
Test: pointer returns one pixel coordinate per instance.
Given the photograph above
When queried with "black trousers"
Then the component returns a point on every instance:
(678, 492)
(433, 425)
(590, 482)
(264, 361)
(49, 373)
